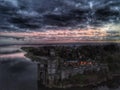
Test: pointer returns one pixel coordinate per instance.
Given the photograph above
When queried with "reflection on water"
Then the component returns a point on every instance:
(16, 71)
(15, 55)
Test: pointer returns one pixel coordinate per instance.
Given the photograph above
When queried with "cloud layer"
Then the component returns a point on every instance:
(23, 15)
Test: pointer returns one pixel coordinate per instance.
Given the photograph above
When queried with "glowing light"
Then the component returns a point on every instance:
(66, 35)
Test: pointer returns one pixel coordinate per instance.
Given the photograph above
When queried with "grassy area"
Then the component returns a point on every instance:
(82, 79)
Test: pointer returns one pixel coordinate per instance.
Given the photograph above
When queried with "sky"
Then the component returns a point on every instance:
(51, 21)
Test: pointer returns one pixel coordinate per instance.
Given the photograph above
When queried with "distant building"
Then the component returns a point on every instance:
(55, 70)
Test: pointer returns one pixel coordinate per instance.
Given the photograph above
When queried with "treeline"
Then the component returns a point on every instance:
(75, 52)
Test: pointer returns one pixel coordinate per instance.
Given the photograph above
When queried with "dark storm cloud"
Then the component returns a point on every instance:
(34, 14)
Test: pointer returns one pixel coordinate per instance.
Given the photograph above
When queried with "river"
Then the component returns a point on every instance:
(17, 72)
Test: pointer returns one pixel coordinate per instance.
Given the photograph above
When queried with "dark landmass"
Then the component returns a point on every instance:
(75, 66)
